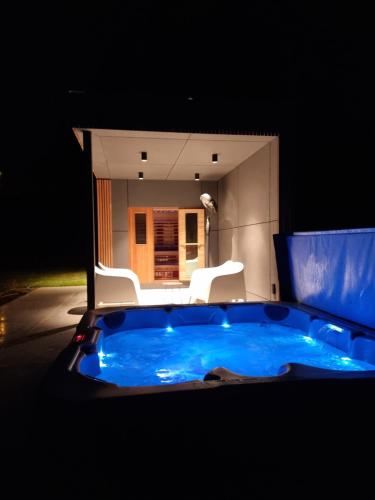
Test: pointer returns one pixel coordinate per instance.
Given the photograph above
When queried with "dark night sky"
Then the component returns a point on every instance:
(318, 55)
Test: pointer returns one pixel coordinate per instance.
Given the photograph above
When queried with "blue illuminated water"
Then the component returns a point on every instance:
(154, 356)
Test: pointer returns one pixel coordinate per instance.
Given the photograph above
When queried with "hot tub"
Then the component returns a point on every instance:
(157, 349)
(154, 386)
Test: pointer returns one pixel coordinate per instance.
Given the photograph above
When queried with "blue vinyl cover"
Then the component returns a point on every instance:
(334, 271)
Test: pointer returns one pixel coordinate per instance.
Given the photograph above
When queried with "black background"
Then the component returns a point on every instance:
(317, 56)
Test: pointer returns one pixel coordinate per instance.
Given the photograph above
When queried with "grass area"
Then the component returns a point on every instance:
(21, 280)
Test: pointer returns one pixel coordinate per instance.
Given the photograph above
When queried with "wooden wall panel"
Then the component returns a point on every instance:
(104, 204)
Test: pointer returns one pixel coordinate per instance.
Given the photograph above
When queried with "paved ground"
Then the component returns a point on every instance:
(34, 330)
(39, 312)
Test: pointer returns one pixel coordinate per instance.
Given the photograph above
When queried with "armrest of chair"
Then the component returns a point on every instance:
(120, 272)
(200, 284)
(116, 287)
(228, 287)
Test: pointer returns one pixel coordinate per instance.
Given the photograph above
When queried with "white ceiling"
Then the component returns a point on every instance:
(171, 155)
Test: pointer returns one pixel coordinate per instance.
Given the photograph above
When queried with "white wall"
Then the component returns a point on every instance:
(120, 223)
(181, 194)
(248, 217)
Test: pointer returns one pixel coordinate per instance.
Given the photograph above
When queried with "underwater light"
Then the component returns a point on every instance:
(169, 329)
(335, 328)
(101, 356)
(309, 340)
(345, 358)
(225, 325)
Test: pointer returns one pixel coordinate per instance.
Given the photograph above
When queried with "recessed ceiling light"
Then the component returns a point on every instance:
(215, 158)
(144, 155)
(140, 176)
(196, 177)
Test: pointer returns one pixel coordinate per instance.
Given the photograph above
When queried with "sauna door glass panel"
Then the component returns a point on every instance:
(191, 241)
(191, 228)
(191, 238)
(140, 229)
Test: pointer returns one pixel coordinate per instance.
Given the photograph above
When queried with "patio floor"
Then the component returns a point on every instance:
(34, 329)
(40, 311)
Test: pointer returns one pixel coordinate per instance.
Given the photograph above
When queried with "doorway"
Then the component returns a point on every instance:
(165, 243)
(165, 221)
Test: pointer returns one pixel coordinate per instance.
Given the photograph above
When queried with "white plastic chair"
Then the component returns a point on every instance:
(224, 283)
(116, 286)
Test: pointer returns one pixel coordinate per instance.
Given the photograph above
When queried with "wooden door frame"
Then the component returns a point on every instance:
(146, 271)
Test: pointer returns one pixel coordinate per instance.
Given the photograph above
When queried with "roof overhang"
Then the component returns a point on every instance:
(116, 154)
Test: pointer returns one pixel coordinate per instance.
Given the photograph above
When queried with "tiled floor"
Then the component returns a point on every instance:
(177, 295)
(165, 296)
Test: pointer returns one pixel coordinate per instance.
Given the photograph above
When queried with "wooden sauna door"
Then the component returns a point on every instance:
(191, 241)
(166, 243)
(141, 243)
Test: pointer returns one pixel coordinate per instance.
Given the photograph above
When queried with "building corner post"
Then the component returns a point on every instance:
(90, 247)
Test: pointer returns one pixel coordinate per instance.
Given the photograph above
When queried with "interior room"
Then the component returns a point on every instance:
(148, 205)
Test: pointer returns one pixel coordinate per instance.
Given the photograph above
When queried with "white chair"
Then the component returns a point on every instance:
(120, 270)
(116, 286)
(224, 283)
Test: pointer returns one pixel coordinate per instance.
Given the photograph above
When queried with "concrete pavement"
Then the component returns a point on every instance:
(39, 311)
(34, 329)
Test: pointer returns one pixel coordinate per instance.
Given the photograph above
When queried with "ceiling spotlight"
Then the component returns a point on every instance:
(140, 176)
(197, 177)
(214, 158)
(144, 155)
